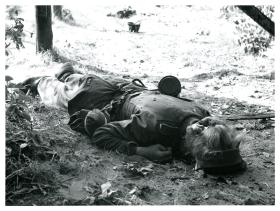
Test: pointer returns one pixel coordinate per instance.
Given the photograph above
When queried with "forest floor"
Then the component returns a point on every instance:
(196, 44)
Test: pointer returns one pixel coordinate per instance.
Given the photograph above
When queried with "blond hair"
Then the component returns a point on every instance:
(215, 138)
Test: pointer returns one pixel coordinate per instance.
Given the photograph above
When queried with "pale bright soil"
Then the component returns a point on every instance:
(195, 44)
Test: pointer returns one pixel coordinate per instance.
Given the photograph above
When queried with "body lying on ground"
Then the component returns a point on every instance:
(128, 118)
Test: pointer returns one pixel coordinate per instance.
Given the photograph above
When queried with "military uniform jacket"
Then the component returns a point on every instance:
(149, 118)
(94, 92)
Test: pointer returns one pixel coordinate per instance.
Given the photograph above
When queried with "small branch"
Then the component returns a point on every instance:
(17, 172)
(179, 178)
(63, 181)
(67, 131)
(248, 116)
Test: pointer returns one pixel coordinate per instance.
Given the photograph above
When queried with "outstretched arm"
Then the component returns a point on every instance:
(116, 136)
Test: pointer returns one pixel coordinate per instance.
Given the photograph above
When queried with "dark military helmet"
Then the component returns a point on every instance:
(220, 162)
(169, 85)
(65, 70)
(93, 120)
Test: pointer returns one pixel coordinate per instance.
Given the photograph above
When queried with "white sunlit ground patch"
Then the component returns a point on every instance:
(173, 40)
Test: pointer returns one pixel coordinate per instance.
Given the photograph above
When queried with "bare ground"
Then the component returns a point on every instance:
(213, 70)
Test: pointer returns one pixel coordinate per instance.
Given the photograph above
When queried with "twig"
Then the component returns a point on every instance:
(41, 189)
(39, 129)
(19, 154)
(17, 172)
(54, 154)
(248, 116)
(179, 178)
(17, 181)
(21, 191)
(253, 154)
(67, 131)
(28, 92)
(67, 179)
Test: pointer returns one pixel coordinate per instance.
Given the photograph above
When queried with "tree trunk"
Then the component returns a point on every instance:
(57, 10)
(44, 39)
(259, 18)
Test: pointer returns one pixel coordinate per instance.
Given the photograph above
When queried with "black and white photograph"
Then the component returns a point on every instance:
(139, 104)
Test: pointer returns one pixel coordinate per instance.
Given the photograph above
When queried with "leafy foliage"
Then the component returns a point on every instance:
(125, 13)
(253, 38)
(68, 17)
(25, 149)
(13, 11)
(15, 34)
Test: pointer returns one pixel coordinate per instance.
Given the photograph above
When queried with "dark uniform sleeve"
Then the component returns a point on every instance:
(124, 136)
(114, 137)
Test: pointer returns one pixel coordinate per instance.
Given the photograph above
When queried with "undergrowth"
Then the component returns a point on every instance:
(29, 158)
(125, 13)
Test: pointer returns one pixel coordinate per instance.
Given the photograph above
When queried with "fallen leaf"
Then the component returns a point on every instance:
(205, 196)
(133, 190)
(105, 187)
(266, 154)
(145, 170)
(8, 151)
(23, 145)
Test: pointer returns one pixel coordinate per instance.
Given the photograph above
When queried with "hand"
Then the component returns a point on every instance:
(195, 128)
(76, 121)
(155, 152)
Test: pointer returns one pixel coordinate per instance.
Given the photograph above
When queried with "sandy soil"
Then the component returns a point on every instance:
(193, 43)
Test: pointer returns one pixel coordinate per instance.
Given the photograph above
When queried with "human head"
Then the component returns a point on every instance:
(215, 148)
